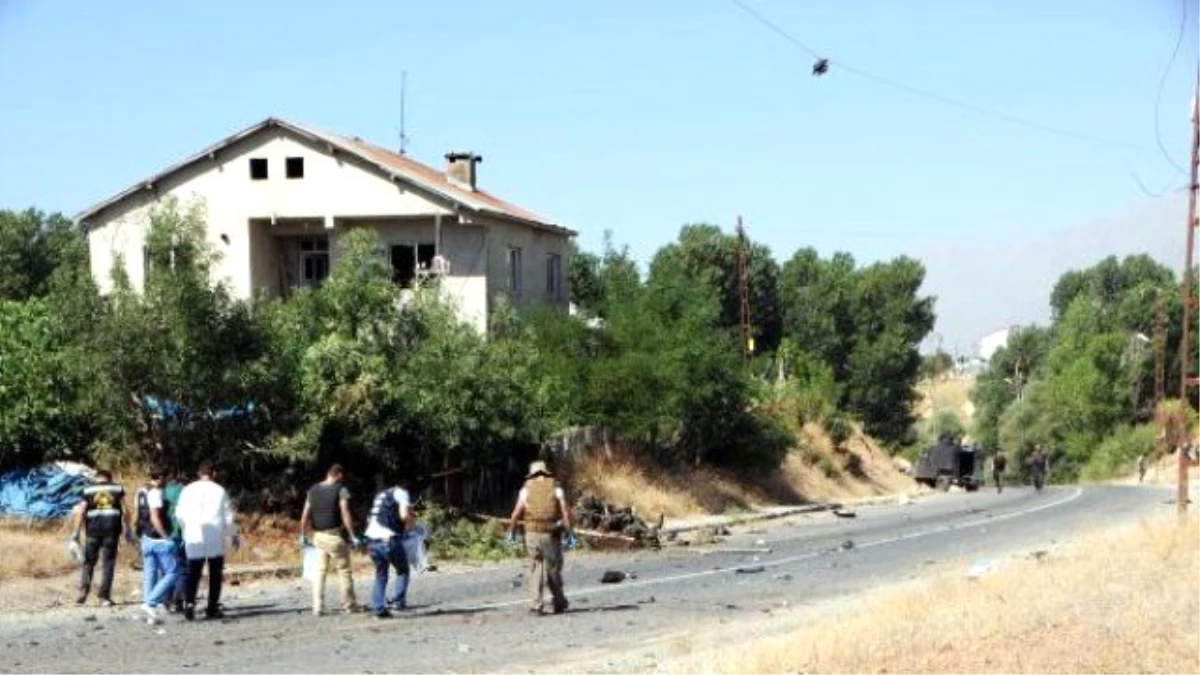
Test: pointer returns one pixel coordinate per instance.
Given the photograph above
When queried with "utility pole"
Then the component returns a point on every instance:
(1186, 381)
(744, 291)
(1160, 351)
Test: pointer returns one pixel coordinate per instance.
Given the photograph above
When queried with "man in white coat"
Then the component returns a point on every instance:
(206, 518)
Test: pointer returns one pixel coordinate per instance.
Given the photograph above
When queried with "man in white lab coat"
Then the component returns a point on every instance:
(206, 518)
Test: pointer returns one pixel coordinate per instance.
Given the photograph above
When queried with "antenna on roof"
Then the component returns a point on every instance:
(403, 135)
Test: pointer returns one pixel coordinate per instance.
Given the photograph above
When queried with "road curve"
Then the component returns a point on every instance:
(476, 620)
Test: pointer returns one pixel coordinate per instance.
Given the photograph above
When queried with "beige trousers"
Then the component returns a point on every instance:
(545, 570)
(332, 546)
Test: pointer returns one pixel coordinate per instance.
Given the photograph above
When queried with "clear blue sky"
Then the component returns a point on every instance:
(627, 115)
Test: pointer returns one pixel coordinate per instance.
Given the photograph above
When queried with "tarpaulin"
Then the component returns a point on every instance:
(49, 491)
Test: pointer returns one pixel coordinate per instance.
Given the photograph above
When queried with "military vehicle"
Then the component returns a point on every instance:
(948, 463)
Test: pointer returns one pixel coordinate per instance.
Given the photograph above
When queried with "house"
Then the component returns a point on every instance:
(278, 195)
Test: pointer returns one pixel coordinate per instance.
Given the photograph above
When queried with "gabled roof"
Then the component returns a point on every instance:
(395, 166)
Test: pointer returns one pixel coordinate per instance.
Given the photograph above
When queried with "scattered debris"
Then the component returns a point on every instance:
(761, 542)
(782, 577)
(463, 649)
(1039, 554)
(647, 601)
(751, 570)
(592, 513)
(616, 576)
(90, 617)
(980, 568)
(843, 513)
(847, 545)
(734, 551)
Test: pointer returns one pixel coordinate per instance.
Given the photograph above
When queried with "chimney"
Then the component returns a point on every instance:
(460, 168)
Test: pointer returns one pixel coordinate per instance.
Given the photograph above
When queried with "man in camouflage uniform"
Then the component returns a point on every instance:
(542, 506)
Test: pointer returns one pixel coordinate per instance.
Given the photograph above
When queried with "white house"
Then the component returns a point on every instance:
(278, 195)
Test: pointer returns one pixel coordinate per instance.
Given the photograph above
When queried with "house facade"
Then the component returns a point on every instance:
(278, 195)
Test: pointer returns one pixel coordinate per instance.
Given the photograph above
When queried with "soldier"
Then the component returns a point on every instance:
(1142, 465)
(999, 463)
(102, 515)
(1038, 466)
(543, 507)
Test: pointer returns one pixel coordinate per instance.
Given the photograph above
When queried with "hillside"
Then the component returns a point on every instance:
(813, 471)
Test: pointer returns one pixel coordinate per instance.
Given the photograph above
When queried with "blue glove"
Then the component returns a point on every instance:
(360, 542)
(75, 536)
(237, 542)
(570, 542)
(510, 538)
(304, 542)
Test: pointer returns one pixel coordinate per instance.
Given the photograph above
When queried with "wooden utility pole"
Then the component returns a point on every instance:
(744, 290)
(1160, 351)
(1186, 381)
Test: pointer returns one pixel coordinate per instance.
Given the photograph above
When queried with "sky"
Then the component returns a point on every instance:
(633, 117)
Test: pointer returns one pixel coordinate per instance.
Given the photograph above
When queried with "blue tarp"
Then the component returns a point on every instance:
(45, 492)
(165, 410)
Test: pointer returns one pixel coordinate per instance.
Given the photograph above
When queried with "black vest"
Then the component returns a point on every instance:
(102, 509)
(145, 525)
(323, 506)
(385, 511)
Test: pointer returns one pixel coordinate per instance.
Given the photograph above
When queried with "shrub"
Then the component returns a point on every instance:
(1118, 453)
(839, 429)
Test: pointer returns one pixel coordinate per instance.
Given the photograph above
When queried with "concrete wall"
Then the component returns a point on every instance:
(535, 246)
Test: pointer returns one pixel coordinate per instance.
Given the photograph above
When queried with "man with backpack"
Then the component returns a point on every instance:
(160, 558)
(388, 524)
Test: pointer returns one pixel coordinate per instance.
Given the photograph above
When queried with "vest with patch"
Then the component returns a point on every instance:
(102, 510)
(541, 506)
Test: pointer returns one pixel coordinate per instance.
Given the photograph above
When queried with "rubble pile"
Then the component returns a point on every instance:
(594, 514)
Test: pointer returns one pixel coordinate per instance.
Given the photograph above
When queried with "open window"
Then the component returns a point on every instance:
(258, 168)
(407, 259)
(314, 260)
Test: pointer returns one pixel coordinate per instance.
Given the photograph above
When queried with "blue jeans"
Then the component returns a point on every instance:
(385, 554)
(160, 570)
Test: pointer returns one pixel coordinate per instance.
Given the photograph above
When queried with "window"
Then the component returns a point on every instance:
(554, 276)
(314, 260)
(407, 259)
(294, 167)
(514, 271)
(258, 168)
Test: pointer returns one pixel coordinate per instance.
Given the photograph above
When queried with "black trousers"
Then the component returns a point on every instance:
(101, 548)
(216, 575)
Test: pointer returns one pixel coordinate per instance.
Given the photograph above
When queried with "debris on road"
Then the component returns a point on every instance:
(782, 577)
(750, 570)
(843, 513)
(847, 545)
(616, 576)
(592, 513)
(734, 551)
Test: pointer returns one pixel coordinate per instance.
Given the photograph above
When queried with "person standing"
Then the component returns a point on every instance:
(388, 524)
(171, 492)
(1142, 465)
(542, 506)
(160, 560)
(327, 512)
(207, 520)
(1038, 466)
(101, 514)
(999, 464)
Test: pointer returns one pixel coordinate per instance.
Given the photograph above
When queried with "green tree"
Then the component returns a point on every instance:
(33, 246)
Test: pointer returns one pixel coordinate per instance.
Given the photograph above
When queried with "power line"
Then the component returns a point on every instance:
(946, 100)
(1162, 83)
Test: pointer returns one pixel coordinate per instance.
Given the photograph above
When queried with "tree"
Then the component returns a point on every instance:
(33, 246)
(817, 298)
(704, 254)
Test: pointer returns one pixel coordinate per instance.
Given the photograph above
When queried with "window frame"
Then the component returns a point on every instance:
(514, 265)
(264, 164)
(290, 163)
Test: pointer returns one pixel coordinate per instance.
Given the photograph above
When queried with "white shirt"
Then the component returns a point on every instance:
(377, 530)
(206, 517)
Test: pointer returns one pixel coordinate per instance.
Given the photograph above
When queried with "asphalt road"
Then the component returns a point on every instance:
(476, 620)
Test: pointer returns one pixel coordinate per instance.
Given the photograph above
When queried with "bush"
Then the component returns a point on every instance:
(1118, 453)
(828, 468)
(454, 536)
(839, 429)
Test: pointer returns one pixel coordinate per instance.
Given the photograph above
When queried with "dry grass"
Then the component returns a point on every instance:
(689, 491)
(949, 393)
(1125, 602)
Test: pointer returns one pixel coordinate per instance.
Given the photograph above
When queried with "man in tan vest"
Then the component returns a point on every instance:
(543, 507)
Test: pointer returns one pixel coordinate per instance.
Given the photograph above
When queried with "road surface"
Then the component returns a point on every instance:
(476, 620)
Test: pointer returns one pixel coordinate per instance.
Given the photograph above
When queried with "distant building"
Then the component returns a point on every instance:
(989, 343)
